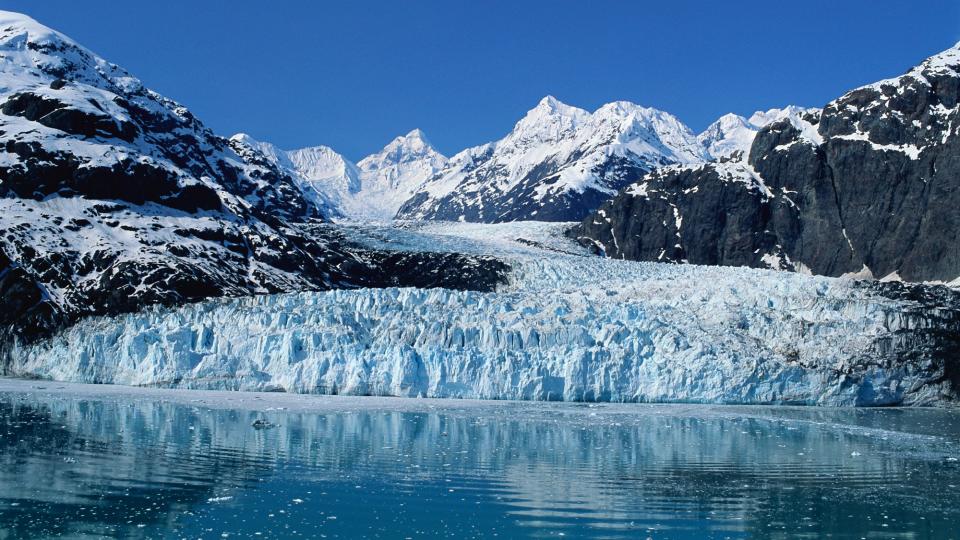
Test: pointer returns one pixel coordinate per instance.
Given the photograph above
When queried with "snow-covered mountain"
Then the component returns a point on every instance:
(732, 133)
(324, 177)
(556, 164)
(393, 175)
(113, 197)
(867, 187)
(372, 189)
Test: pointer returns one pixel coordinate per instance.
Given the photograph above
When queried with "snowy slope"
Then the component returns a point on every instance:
(323, 176)
(556, 164)
(60, 99)
(393, 175)
(372, 189)
(568, 326)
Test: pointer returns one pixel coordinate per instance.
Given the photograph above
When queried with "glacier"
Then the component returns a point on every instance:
(568, 326)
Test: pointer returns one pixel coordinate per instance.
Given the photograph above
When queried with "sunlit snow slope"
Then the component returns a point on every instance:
(568, 326)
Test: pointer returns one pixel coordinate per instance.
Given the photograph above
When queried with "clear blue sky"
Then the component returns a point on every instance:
(354, 74)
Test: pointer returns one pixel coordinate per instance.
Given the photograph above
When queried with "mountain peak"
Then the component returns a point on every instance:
(412, 146)
(413, 142)
(551, 106)
(550, 103)
(244, 138)
(18, 30)
(731, 119)
(416, 133)
(729, 134)
(948, 59)
(621, 108)
(13, 24)
(550, 120)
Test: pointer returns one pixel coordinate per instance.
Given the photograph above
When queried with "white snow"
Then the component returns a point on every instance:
(732, 133)
(29, 55)
(567, 326)
(911, 151)
(947, 61)
(796, 116)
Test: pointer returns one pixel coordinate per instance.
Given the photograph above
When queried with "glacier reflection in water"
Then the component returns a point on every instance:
(88, 466)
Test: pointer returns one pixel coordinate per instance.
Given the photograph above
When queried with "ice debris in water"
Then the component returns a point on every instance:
(260, 423)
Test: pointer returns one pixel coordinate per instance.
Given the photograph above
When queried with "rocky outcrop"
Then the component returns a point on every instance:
(869, 187)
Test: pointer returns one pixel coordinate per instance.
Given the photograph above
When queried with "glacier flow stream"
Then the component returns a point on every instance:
(568, 327)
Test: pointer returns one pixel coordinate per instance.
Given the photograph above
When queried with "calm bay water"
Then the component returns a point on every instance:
(92, 462)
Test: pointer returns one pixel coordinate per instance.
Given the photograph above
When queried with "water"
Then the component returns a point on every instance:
(90, 462)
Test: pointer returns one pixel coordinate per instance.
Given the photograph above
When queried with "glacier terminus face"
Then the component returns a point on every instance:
(568, 326)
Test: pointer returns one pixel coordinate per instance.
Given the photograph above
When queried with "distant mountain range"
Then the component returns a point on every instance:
(557, 164)
(372, 189)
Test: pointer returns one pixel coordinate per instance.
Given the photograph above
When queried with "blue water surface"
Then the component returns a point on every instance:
(76, 463)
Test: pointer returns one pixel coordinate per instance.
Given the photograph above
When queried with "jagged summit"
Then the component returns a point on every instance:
(557, 163)
(415, 137)
(550, 121)
(552, 104)
(949, 59)
(18, 29)
(791, 112)
(732, 133)
(729, 134)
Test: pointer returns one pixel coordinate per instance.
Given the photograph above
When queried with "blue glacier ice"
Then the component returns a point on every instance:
(567, 327)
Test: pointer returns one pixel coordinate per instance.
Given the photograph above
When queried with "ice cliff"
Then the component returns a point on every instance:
(568, 327)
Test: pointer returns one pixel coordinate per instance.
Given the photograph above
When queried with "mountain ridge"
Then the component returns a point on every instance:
(570, 152)
(554, 161)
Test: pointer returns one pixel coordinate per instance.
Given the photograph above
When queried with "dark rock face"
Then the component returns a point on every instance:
(870, 186)
(51, 284)
(57, 115)
(709, 215)
(930, 339)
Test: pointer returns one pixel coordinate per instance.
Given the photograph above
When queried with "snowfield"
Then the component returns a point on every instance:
(568, 326)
